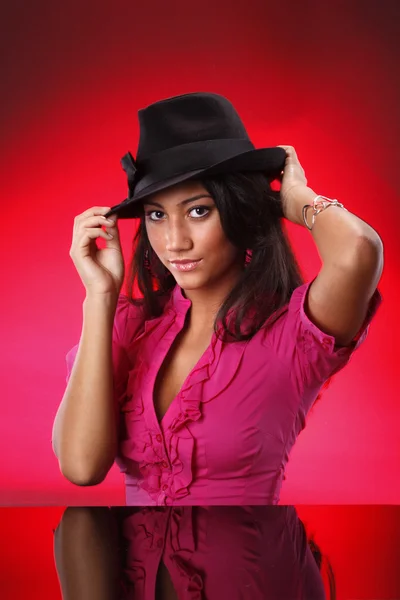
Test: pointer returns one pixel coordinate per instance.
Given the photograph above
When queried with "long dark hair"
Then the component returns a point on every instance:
(250, 213)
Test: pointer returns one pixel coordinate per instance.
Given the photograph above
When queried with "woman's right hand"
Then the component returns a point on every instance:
(101, 270)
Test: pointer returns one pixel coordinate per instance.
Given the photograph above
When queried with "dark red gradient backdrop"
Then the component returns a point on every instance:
(321, 76)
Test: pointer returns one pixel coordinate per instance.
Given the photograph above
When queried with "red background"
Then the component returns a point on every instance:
(322, 77)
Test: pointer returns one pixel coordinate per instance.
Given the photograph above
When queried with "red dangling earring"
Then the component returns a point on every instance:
(247, 260)
(146, 261)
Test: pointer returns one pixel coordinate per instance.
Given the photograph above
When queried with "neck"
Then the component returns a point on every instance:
(206, 302)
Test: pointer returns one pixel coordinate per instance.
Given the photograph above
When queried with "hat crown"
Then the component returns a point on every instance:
(187, 137)
(186, 119)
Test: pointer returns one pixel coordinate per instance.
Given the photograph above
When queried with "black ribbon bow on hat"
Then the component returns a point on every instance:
(129, 165)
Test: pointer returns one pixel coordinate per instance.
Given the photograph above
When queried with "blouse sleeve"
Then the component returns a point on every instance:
(128, 323)
(310, 353)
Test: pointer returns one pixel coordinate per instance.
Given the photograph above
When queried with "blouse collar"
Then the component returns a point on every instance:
(178, 300)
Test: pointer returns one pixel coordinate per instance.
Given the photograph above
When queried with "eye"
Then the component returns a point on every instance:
(198, 213)
(199, 208)
(154, 212)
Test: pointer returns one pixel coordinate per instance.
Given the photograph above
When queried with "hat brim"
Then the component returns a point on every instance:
(269, 160)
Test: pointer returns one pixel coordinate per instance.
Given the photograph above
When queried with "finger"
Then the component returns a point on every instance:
(84, 243)
(98, 220)
(91, 233)
(291, 154)
(292, 159)
(92, 211)
(96, 210)
(113, 242)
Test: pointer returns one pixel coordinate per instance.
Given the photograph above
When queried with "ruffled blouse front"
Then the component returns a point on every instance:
(226, 437)
(163, 452)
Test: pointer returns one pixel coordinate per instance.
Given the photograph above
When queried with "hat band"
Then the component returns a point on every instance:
(188, 157)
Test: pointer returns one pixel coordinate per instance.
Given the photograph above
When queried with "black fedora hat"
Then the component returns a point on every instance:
(187, 136)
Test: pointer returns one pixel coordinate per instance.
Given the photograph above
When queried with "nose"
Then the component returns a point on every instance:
(177, 237)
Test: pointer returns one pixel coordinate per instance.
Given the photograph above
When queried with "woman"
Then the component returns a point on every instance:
(200, 389)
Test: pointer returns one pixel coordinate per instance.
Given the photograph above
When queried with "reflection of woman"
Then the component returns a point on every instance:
(187, 552)
(209, 377)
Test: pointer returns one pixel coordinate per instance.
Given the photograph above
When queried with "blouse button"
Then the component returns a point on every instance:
(164, 487)
(159, 438)
(164, 464)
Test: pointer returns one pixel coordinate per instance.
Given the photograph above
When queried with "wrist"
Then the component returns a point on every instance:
(102, 301)
(302, 196)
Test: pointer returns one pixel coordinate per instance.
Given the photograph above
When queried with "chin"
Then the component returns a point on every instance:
(191, 281)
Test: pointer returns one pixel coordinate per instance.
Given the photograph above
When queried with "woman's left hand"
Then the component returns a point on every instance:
(293, 184)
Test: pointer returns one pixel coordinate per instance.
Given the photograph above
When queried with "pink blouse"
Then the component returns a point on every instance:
(227, 435)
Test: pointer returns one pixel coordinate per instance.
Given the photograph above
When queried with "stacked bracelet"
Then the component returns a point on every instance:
(318, 206)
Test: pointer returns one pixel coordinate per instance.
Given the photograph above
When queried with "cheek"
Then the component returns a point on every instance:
(156, 240)
(211, 236)
(218, 245)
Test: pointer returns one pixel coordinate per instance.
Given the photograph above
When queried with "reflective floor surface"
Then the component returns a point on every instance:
(195, 553)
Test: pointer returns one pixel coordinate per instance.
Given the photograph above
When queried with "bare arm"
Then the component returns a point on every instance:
(352, 255)
(85, 430)
(351, 252)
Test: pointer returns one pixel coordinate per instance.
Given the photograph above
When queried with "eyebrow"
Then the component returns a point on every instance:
(150, 202)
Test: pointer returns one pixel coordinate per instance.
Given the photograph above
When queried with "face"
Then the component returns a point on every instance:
(183, 224)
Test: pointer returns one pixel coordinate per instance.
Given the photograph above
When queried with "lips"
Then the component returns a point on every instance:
(185, 265)
(183, 262)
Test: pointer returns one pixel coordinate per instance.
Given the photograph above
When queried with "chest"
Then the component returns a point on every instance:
(181, 358)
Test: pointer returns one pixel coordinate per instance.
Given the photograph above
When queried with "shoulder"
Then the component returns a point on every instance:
(127, 308)
(300, 319)
(130, 317)
(288, 312)
(297, 340)
(294, 317)
(129, 320)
